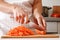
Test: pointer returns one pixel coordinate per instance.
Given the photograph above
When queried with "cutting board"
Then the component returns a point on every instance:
(34, 36)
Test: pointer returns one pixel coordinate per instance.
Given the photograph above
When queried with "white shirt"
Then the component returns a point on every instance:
(5, 21)
(25, 4)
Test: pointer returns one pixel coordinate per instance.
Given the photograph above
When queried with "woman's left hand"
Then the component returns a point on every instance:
(19, 14)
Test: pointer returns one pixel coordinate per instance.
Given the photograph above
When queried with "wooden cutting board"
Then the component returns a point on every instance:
(34, 36)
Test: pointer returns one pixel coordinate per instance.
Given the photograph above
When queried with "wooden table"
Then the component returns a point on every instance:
(34, 36)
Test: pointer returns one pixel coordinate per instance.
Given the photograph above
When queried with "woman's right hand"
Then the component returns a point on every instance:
(20, 15)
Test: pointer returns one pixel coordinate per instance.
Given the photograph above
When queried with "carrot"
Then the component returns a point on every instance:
(20, 31)
(23, 31)
(40, 32)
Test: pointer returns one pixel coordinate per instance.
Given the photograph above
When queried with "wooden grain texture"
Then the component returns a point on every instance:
(34, 36)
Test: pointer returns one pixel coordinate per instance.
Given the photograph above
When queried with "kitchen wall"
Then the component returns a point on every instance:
(56, 2)
(51, 3)
(47, 3)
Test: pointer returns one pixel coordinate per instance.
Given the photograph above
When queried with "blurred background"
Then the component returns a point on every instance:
(51, 13)
(51, 6)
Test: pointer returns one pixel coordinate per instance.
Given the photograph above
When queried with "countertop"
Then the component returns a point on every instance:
(52, 19)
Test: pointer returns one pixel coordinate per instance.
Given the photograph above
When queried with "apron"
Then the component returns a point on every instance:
(5, 21)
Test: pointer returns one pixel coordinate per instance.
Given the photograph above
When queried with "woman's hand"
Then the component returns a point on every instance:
(20, 15)
(40, 21)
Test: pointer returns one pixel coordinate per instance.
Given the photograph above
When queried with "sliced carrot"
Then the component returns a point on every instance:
(20, 33)
(26, 34)
(30, 31)
(23, 31)
(40, 32)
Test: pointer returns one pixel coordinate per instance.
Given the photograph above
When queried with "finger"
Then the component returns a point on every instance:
(26, 18)
(22, 19)
(18, 17)
(14, 14)
(39, 20)
(43, 21)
